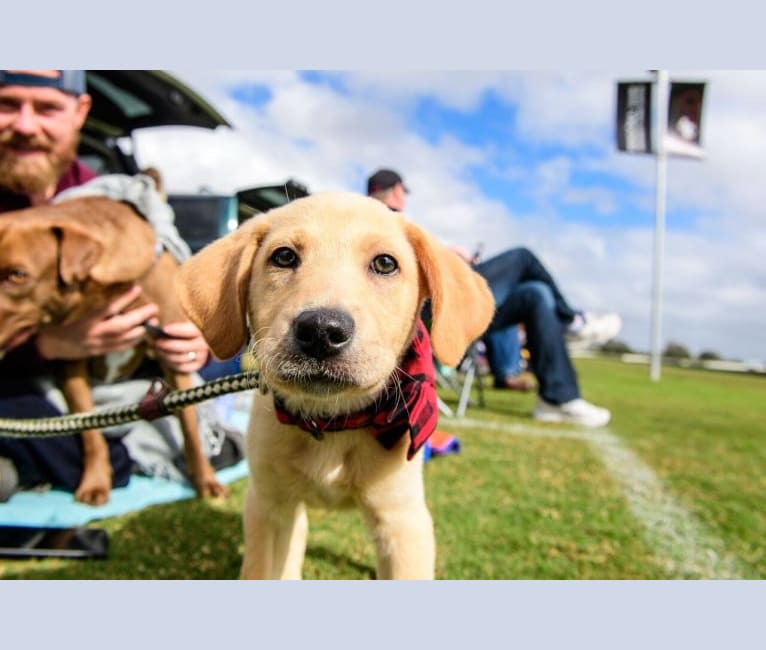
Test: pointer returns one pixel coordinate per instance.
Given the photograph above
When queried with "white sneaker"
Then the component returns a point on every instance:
(576, 411)
(594, 329)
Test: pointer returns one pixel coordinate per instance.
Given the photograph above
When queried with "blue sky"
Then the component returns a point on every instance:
(510, 158)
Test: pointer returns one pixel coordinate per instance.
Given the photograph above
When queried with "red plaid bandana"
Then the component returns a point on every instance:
(410, 407)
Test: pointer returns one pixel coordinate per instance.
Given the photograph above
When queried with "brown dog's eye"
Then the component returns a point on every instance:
(285, 258)
(384, 265)
(14, 276)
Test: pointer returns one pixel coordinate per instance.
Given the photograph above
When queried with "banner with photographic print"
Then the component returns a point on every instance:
(683, 137)
(634, 116)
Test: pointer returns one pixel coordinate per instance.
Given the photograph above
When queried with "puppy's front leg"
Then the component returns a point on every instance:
(404, 542)
(397, 516)
(275, 539)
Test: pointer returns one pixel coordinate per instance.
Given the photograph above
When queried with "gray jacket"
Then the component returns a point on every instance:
(140, 192)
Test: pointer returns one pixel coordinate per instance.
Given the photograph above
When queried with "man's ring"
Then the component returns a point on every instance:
(192, 355)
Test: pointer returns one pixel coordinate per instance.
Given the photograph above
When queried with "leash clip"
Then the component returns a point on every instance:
(151, 405)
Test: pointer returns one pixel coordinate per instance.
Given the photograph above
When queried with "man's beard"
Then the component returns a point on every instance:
(33, 174)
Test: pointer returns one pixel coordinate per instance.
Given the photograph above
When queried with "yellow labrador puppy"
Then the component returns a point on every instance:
(329, 290)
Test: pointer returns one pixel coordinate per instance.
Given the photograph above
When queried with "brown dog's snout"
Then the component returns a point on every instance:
(323, 333)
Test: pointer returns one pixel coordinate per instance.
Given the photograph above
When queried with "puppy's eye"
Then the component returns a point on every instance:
(14, 276)
(384, 265)
(285, 258)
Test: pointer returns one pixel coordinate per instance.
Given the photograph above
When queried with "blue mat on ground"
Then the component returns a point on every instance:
(58, 509)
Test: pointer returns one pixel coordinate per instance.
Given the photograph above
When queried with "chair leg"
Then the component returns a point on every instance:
(465, 394)
(446, 410)
(469, 368)
(480, 387)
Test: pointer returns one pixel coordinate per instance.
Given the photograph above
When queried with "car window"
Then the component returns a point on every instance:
(200, 219)
(130, 105)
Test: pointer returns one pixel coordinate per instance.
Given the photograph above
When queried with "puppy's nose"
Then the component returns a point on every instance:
(323, 333)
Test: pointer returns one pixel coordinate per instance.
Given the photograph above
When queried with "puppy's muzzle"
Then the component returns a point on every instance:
(323, 333)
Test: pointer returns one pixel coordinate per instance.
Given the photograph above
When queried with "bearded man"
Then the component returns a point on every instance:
(39, 134)
(41, 114)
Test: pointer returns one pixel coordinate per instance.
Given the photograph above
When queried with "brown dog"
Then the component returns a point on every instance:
(59, 263)
(329, 289)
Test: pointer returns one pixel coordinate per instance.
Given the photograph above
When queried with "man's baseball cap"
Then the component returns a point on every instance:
(383, 179)
(68, 81)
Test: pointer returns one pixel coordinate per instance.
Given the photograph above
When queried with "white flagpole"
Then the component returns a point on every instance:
(659, 224)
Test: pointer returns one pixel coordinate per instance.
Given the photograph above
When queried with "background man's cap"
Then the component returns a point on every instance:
(383, 179)
(68, 81)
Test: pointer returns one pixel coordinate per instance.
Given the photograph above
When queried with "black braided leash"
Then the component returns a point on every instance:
(158, 402)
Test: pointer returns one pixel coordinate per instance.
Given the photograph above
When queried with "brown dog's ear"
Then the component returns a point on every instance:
(212, 287)
(140, 241)
(79, 252)
(83, 255)
(461, 302)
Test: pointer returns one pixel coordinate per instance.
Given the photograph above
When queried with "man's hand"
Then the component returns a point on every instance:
(186, 351)
(107, 330)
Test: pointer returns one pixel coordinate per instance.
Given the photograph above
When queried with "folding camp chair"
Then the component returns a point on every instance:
(461, 380)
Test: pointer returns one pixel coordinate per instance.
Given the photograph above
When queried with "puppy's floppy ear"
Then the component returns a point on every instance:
(212, 287)
(461, 302)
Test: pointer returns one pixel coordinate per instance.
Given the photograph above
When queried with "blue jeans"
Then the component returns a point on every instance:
(503, 352)
(526, 293)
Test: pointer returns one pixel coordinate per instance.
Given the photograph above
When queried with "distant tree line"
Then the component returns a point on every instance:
(673, 350)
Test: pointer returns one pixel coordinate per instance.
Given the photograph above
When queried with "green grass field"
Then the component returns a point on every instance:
(675, 487)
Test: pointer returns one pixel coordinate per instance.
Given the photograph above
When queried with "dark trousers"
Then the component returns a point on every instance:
(525, 292)
(55, 460)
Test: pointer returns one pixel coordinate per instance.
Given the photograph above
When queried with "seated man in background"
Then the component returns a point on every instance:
(41, 114)
(526, 293)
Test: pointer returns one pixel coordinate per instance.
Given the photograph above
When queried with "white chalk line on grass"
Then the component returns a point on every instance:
(687, 550)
